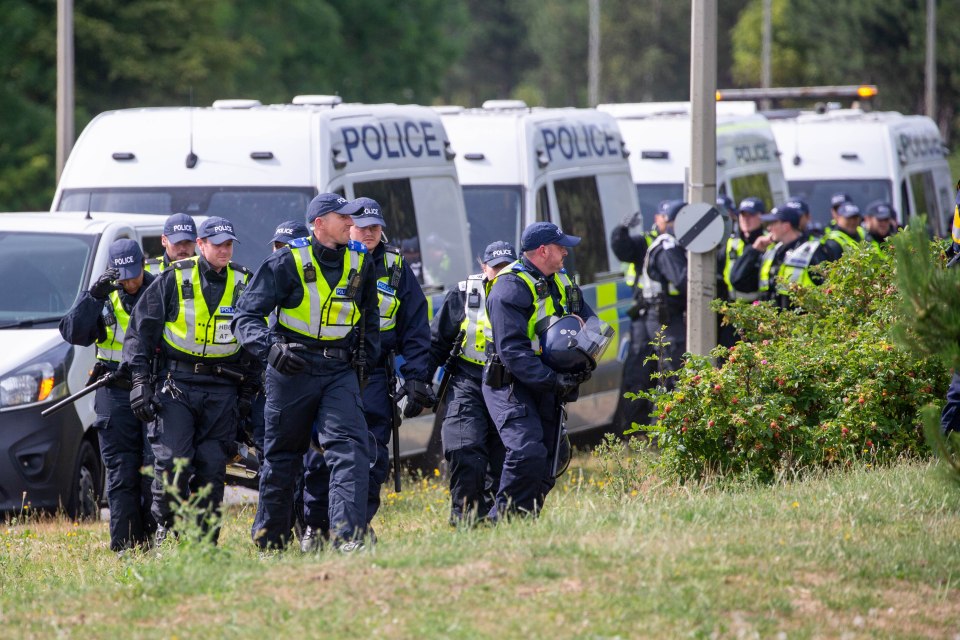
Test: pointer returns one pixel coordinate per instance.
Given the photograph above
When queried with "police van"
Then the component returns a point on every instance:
(869, 155)
(260, 165)
(519, 165)
(46, 260)
(658, 136)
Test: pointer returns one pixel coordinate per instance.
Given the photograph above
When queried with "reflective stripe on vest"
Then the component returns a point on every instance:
(630, 271)
(116, 320)
(543, 307)
(155, 266)
(795, 267)
(387, 295)
(323, 314)
(196, 331)
(475, 325)
(652, 288)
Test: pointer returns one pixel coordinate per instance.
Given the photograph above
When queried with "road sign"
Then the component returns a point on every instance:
(700, 228)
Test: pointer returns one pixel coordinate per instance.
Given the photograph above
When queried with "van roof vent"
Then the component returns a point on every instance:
(239, 103)
(504, 105)
(318, 100)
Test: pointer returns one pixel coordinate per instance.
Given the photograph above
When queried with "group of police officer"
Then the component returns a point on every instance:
(755, 263)
(301, 357)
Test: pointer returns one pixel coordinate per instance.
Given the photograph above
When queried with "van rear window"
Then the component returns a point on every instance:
(817, 194)
(494, 213)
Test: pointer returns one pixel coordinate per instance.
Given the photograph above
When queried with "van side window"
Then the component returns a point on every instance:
(543, 205)
(906, 211)
(578, 201)
(925, 196)
(396, 198)
(152, 247)
(756, 185)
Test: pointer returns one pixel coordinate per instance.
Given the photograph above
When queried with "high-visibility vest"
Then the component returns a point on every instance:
(733, 251)
(324, 313)
(794, 268)
(198, 330)
(116, 320)
(843, 239)
(630, 271)
(157, 265)
(652, 288)
(543, 306)
(475, 325)
(386, 292)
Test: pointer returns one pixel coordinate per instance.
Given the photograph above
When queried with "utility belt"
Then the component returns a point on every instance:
(333, 353)
(665, 309)
(495, 373)
(100, 368)
(201, 369)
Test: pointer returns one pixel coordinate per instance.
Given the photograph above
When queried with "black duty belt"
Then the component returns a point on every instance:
(334, 353)
(203, 369)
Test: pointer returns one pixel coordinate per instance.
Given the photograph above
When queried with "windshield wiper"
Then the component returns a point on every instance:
(20, 324)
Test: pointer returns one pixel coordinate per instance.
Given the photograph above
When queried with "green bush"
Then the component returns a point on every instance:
(818, 386)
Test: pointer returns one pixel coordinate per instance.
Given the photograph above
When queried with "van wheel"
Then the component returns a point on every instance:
(84, 501)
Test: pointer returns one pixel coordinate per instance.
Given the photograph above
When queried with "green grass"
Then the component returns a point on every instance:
(867, 553)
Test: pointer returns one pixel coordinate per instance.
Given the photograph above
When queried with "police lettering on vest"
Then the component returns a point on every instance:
(198, 330)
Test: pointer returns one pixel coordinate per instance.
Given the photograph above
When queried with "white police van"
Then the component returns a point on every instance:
(260, 165)
(568, 166)
(46, 260)
(658, 136)
(869, 155)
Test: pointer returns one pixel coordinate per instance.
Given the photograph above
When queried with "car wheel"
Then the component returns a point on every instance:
(84, 503)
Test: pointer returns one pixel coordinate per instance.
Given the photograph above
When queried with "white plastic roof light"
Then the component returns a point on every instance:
(239, 103)
(318, 100)
(504, 105)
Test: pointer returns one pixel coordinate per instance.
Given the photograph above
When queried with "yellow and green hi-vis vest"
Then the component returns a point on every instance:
(475, 325)
(116, 320)
(386, 294)
(544, 307)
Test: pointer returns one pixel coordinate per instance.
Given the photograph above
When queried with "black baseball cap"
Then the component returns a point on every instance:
(217, 230)
(541, 233)
(287, 231)
(498, 253)
(180, 227)
(126, 256)
(368, 214)
(325, 203)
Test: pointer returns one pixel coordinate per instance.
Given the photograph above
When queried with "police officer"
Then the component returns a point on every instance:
(782, 257)
(404, 331)
(471, 445)
(846, 232)
(629, 244)
(664, 280)
(102, 315)
(178, 240)
(521, 392)
(880, 222)
(324, 294)
(205, 382)
(748, 228)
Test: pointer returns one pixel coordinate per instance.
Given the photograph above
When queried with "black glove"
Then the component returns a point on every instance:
(420, 396)
(245, 400)
(142, 401)
(568, 385)
(105, 284)
(632, 219)
(284, 359)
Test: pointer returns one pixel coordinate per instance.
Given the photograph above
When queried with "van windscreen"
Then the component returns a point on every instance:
(254, 212)
(494, 213)
(54, 284)
(651, 195)
(817, 193)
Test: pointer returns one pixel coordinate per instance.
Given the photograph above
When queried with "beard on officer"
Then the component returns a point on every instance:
(522, 393)
(324, 298)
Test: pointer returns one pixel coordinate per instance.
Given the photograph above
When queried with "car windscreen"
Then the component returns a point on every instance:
(494, 213)
(40, 274)
(651, 195)
(817, 194)
(254, 212)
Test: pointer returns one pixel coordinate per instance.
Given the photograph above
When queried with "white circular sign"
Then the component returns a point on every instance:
(700, 228)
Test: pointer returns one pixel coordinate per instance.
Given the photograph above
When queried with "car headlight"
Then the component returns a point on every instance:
(40, 380)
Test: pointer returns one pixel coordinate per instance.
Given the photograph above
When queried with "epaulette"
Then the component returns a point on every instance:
(354, 245)
(239, 267)
(297, 243)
